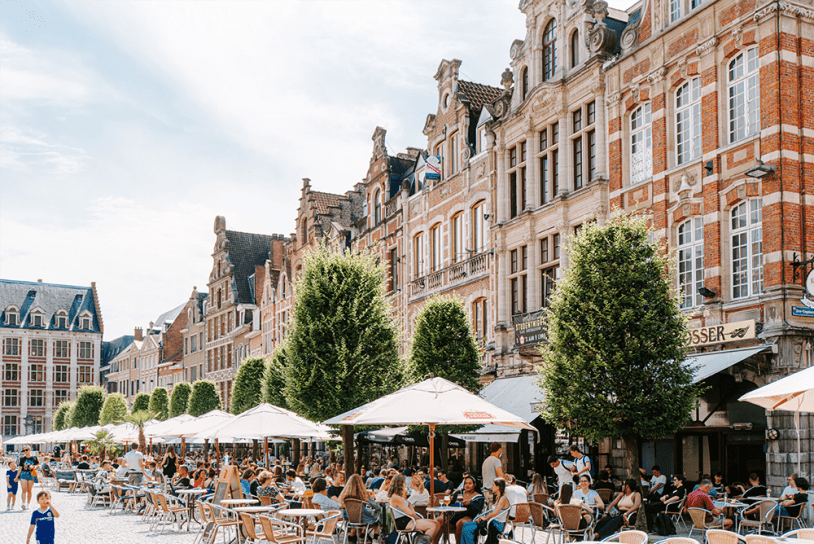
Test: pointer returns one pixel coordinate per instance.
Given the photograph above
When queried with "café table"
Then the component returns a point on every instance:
(446, 511)
(191, 495)
(302, 513)
(238, 502)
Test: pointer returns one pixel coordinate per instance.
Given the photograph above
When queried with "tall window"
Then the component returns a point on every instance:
(478, 227)
(11, 398)
(578, 181)
(10, 425)
(480, 320)
(550, 50)
(688, 121)
(453, 154)
(61, 373)
(12, 372)
(35, 398)
(12, 346)
(641, 145)
(549, 263)
(575, 49)
(85, 350)
(517, 178)
(377, 207)
(439, 152)
(744, 95)
(394, 268)
(418, 255)
(435, 247)
(747, 248)
(61, 349)
(517, 267)
(524, 83)
(458, 237)
(36, 348)
(36, 372)
(691, 262)
(675, 10)
(583, 143)
(61, 395)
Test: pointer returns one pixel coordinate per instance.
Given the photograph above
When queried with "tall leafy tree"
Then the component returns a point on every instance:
(274, 378)
(613, 365)
(141, 403)
(247, 389)
(179, 398)
(342, 349)
(114, 409)
(204, 398)
(61, 421)
(139, 419)
(443, 344)
(160, 403)
(88, 406)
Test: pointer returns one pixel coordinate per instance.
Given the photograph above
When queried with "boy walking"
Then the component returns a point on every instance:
(42, 520)
(11, 486)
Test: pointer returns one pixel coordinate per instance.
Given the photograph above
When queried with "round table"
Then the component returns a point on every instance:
(446, 511)
(191, 503)
(254, 509)
(303, 513)
(238, 502)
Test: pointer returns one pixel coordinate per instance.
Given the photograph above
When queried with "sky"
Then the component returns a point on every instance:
(126, 127)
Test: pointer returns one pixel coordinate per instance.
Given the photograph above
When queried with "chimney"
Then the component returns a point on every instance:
(138, 334)
(39, 281)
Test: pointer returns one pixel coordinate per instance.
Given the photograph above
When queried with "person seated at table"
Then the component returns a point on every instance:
(419, 496)
(700, 499)
(516, 494)
(755, 489)
(791, 489)
(377, 482)
(498, 514)
(103, 477)
(790, 507)
(181, 480)
(469, 498)
(320, 498)
(627, 502)
(297, 486)
(339, 482)
(200, 478)
(439, 486)
(121, 470)
(83, 463)
(329, 476)
(371, 511)
(658, 483)
(590, 500)
(382, 493)
(669, 501)
(246, 481)
(720, 487)
(405, 517)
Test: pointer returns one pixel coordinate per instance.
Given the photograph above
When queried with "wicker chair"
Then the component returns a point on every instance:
(569, 518)
(719, 536)
(765, 518)
(249, 529)
(542, 498)
(278, 531)
(605, 494)
(629, 537)
(758, 539)
(354, 508)
(678, 540)
(522, 518)
(699, 520)
(805, 534)
(325, 527)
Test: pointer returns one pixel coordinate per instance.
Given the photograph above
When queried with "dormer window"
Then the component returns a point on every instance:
(36, 320)
(11, 317)
(61, 321)
(84, 323)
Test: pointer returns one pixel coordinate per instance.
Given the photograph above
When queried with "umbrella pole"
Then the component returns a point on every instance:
(430, 469)
(217, 454)
(266, 463)
(183, 450)
(797, 428)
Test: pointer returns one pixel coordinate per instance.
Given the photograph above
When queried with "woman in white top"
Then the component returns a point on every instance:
(498, 514)
(590, 498)
(419, 496)
(405, 516)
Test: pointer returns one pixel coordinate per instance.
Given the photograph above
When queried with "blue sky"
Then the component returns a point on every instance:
(126, 127)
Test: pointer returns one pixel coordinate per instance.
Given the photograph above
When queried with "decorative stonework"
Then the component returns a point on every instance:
(657, 75)
(542, 101)
(706, 47)
(516, 49)
(507, 79)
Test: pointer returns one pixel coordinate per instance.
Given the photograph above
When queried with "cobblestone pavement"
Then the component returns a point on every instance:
(79, 525)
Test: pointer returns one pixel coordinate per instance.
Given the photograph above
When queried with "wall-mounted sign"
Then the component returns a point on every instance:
(529, 329)
(432, 170)
(802, 311)
(725, 332)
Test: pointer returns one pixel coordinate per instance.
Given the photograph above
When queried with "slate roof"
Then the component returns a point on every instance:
(168, 317)
(110, 350)
(245, 251)
(326, 200)
(399, 169)
(51, 297)
(478, 94)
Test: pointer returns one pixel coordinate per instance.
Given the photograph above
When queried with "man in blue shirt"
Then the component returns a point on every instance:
(43, 520)
(377, 482)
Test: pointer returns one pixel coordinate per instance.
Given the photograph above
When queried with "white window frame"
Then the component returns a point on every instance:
(690, 244)
(458, 237)
(746, 252)
(418, 255)
(688, 121)
(478, 227)
(743, 95)
(641, 144)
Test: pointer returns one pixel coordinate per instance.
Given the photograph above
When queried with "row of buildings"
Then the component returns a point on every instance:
(697, 114)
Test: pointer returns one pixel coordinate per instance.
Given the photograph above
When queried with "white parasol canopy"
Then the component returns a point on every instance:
(199, 424)
(794, 393)
(435, 401)
(264, 421)
(173, 424)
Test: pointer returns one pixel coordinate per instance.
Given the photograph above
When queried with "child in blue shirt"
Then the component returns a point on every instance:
(11, 486)
(43, 520)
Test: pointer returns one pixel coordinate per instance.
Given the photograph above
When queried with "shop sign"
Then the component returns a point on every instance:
(725, 332)
(432, 170)
(802, 311)
(529, 329)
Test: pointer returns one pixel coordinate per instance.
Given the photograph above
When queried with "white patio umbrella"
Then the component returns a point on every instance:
(435, 401)
(169, 425)
(794, 393)
(207, 421)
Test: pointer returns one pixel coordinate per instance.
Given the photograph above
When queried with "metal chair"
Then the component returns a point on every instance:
(278, 531)
(219, 516)
(781, 520)
(677, 517)
(765, 517)
(249, 529)
(569, 519)
(522, 518)
(542, 498)
(171, 510)
(677, 540)
(758, 539)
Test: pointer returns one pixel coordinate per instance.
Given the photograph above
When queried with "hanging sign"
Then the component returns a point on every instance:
(725, 332)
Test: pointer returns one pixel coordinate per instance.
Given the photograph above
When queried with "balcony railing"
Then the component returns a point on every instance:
(448, 277)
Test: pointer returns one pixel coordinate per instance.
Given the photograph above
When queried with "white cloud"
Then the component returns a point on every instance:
(24, 151)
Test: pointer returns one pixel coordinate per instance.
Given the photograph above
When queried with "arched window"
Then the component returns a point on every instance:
(418, 255)
(688, 121)
(220, 295)
(747, 248)
(641, 145)
(524, 83)
(377, 207)
(691, 262)
(550, 50)
(575, 49)
(743, 92)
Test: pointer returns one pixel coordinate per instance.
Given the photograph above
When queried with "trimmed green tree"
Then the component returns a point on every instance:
(613, 364)
(444, 346)
(342, 349)
(61, 421)
(247, 389)
(179, 398)
(88, 406)
(274, 378)
(204, 398)
(114, 409)
(141, 403)
(160, 403)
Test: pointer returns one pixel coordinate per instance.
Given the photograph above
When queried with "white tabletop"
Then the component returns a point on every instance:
(254, 508)
(300, 512)
(239, 501)
(446, 509)
(190, 491)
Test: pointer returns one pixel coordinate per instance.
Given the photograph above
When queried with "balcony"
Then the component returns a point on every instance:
(447, 278)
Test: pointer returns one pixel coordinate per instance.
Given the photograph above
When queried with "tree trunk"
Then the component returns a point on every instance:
(359, 460)
(295, 456)
(632, 456)
(206, 447)
(347, 441)
(444, 457)
(255, 450)
(142, 442)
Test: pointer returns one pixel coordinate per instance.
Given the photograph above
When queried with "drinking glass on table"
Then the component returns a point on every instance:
(447, 498)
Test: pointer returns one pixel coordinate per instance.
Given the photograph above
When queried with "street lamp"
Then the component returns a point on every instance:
(760, 171)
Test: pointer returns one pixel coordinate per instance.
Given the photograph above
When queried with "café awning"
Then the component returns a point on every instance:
(515, 394)
(709, 364)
